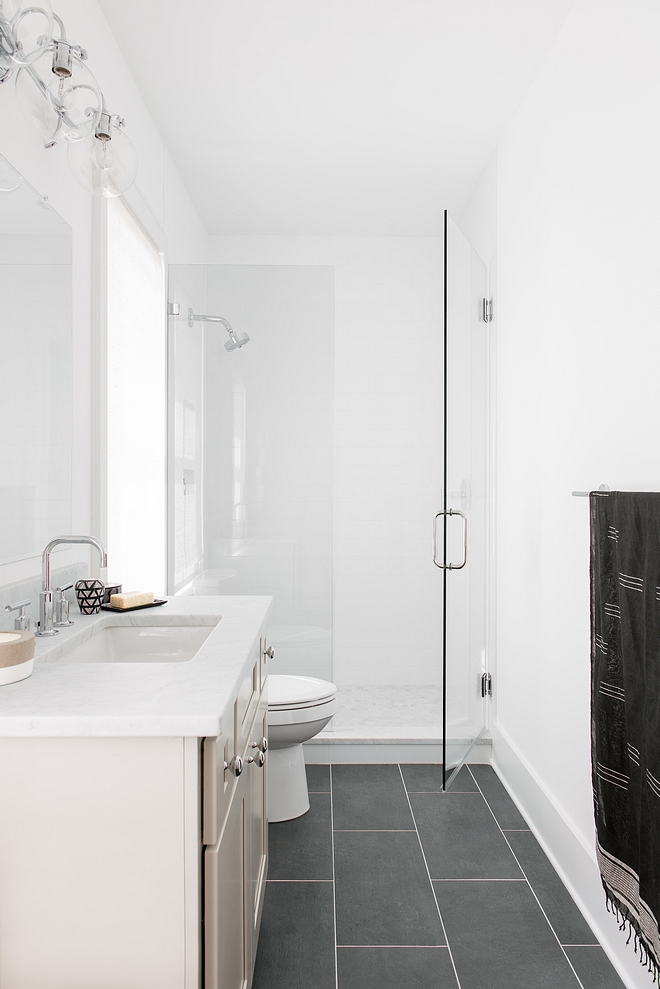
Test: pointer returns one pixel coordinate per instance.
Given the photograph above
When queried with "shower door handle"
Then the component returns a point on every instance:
(449, 566)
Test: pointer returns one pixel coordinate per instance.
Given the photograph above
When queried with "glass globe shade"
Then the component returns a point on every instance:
(60, 107)
(31, 26)
(10, 179)
(104, 168)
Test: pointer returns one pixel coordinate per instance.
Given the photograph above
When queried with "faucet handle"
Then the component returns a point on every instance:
(21, 622)
(62, 607)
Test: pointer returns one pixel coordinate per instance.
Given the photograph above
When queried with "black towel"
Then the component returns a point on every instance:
(625, 708)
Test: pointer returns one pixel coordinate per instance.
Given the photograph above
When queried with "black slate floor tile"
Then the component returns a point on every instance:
(422, 778)
(318, 779)
(594, 968)
(302, 848)
(395, 968)
(507, 814)
(367, 798)
(296, 944)
(382, 891)
(460, 838)
(567, 921)
(500, 939)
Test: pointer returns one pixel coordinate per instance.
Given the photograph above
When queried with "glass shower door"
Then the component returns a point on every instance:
(461, 527)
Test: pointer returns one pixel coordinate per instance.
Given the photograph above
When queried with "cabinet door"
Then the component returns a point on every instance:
(256, 835)
(225, 908)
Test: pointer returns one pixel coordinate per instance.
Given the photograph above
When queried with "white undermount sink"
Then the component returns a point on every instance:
(140, 644)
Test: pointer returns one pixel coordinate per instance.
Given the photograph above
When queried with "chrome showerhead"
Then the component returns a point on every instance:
(236, 340)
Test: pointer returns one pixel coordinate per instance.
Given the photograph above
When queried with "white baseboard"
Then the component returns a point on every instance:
(573, 859)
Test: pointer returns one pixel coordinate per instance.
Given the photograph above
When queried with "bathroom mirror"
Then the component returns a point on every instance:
(35, 394)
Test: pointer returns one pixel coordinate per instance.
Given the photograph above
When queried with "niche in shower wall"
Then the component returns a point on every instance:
(265, 524)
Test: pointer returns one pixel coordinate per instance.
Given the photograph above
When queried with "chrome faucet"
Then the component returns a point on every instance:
(46, 594)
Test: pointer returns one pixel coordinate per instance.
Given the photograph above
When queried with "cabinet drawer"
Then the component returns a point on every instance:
(219, 784)
(247, 700)
(224, 902)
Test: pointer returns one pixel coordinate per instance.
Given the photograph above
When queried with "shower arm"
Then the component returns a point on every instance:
(195, 317)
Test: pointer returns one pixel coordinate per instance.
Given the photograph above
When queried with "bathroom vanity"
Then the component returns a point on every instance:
(133, 832)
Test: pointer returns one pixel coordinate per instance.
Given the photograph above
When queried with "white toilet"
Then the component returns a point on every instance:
(298, 708)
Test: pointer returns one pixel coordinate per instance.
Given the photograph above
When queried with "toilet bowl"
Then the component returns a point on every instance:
(298, 708)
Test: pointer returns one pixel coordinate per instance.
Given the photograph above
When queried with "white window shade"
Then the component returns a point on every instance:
(136, 437)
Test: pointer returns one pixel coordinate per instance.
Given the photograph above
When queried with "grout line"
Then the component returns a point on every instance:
(426, 866)
(446, 793)
(299, 880)
(334, 889)
(374, 830)
(429, 947)
(479, 880)
(579, 982)
(583, 946)
(516, 830)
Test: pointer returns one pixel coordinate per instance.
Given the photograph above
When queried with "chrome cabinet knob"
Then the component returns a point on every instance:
(270, 652)
(234, 765)
(262, 745)
(258, 760)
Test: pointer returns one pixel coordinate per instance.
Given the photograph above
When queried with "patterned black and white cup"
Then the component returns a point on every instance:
(89, 593)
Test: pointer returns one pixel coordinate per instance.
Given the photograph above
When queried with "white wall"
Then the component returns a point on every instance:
(578, 357)
(159, 193)
(388, 445)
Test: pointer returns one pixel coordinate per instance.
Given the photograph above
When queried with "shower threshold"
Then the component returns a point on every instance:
(390, 723)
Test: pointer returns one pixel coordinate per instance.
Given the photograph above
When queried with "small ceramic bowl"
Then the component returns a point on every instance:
(90, 593)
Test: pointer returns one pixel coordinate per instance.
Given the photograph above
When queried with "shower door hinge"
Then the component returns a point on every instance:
(173, 309)
(488, 310)
(486, 685)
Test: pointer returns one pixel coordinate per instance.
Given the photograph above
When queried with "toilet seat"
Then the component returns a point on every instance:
(296, 692)
(294, 700)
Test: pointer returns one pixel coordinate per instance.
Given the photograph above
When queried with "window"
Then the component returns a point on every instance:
(136, 424)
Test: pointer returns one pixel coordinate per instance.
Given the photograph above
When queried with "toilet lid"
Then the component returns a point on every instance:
(286, 691)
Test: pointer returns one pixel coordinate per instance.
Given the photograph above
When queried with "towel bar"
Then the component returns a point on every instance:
(585, 494)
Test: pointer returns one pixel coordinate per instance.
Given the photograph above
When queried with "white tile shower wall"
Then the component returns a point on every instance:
(387, 445)
(268, 449)
(187, 287)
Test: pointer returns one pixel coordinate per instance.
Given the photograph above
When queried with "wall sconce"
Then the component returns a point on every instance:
(105, 163)
(59, 95)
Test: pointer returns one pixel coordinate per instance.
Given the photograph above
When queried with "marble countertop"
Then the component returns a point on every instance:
(111, 699)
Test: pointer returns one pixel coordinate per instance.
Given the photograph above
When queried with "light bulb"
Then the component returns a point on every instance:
(59, 95)
(26, 29)
(105, 167)
(104, 155)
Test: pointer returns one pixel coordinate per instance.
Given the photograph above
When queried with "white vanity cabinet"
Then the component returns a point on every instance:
(235, 834)
(135, 862)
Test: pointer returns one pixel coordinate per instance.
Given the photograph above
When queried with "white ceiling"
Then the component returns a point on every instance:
(335, 117)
